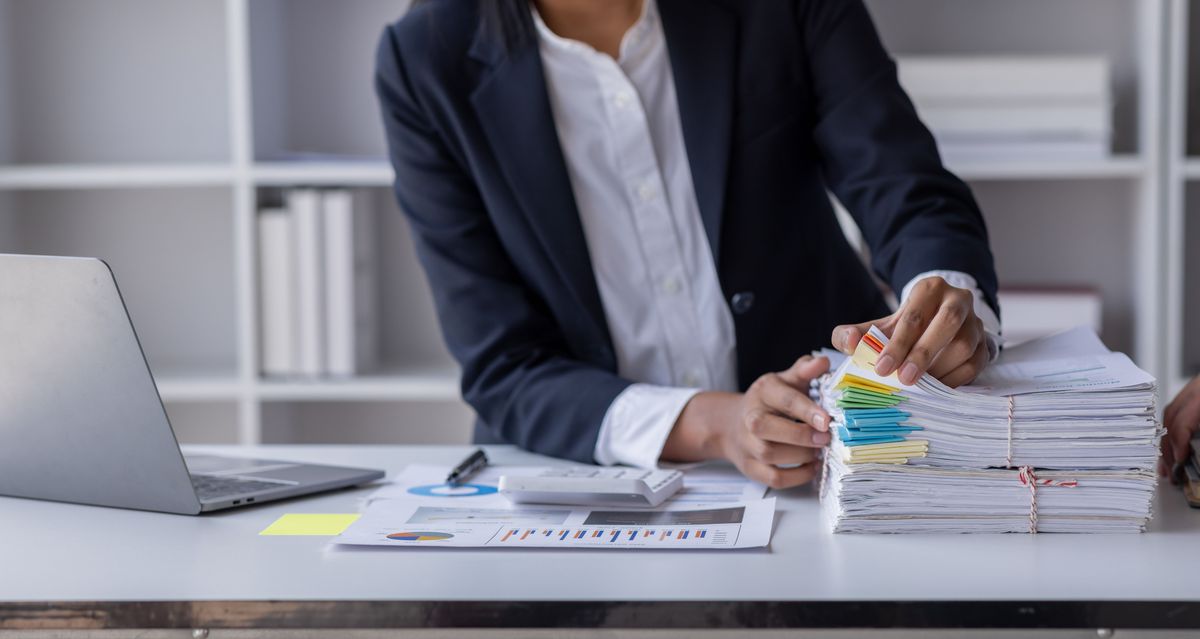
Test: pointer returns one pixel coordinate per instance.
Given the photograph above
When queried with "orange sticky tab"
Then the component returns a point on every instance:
(874, 343)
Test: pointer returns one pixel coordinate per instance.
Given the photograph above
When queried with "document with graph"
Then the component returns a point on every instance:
(399, 523)
(717, 508)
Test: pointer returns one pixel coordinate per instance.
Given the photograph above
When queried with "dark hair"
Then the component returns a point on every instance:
(509, 22)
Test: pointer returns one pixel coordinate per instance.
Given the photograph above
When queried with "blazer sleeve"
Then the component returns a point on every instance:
(881, 161)
(517, 370)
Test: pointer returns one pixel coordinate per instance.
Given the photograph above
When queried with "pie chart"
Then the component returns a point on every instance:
(418, 535)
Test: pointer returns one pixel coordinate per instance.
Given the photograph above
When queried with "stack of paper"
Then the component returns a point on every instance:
(996, 107)
(1058, 435)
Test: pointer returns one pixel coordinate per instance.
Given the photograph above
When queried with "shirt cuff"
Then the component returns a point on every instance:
(637, 423)
(958, 279)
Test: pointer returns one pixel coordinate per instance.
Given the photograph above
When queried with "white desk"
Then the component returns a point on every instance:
(102, 567)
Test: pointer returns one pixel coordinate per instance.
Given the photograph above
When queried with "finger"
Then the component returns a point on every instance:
(777, 477)
(1164, 462)
(914, 317)
(805, 370)
(782, 454)
(1190, 394)
(782, 398)
(960, 349)
(771, 428)
(946, 324)
(968, 370)
(847, 336)
(1181, 432)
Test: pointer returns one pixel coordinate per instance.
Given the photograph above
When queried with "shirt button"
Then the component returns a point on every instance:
(621, 99)
(646, 191)
(670, 286)
(741, 302)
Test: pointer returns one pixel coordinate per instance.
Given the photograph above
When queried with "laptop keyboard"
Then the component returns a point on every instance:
(209, 487)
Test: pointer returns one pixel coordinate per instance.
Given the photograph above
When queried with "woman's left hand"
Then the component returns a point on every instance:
(1182, 418)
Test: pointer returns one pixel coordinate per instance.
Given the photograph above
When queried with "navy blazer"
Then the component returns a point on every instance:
(780, 101)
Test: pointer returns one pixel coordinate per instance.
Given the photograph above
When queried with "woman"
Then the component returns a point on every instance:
(621, 208)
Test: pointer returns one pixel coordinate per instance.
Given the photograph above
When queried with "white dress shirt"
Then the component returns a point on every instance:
(619, 127)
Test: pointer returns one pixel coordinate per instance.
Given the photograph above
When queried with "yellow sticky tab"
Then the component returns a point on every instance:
(850, 379)
(864, 356)
(311, 524)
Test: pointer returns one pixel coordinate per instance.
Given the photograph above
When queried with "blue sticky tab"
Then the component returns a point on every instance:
(874, 440)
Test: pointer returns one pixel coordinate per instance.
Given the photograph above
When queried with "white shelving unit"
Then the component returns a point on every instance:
(1097, 224)
(148, 132)
(1182, 264)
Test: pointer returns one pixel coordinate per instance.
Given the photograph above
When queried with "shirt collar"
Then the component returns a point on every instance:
(634, 36)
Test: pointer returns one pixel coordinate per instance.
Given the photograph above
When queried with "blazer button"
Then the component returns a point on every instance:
(741, 302)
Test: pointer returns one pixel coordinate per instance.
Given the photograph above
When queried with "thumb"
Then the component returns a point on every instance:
(805, 370)
(846, 337)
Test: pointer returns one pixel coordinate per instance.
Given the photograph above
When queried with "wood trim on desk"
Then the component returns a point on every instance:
(85, 615)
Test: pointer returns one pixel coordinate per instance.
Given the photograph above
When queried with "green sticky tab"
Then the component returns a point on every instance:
(320, 524)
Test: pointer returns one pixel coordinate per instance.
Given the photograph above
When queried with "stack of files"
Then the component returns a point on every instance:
(1059, 435)
(1013, 107)
(318, 287)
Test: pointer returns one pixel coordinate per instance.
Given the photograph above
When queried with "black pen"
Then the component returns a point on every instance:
(467, 467)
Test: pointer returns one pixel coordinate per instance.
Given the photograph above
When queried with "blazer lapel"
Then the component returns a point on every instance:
(701, 43)
(514, 109)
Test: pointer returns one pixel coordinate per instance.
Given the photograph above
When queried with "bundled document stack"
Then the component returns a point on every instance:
(1013, 107)
(1059, 435)
(318, 292)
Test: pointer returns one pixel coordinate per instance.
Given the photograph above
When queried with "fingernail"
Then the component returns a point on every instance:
(841, 338)
(908, 374)
(820, 439)
(885, 365)
(819, 421)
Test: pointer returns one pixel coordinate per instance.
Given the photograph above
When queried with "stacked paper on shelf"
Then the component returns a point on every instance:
(1013, 107)
(1058, 435)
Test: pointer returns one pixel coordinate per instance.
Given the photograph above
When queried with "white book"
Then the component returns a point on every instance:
(1024, 121)
(276, 292)
(351, 315)
(305, 207)
(1013, 77)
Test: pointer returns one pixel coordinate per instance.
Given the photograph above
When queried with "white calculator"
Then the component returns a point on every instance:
(593, 486)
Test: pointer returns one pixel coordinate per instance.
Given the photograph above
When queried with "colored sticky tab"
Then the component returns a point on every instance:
(864, 356)
(311, 524)
(852, 380)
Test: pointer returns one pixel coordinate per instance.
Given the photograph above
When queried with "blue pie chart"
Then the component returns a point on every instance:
(446, 490)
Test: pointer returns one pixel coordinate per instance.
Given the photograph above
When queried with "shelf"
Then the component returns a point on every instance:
(87, 176)
(408, 385)
(364, 173)
(1117, 166)
(179, 386)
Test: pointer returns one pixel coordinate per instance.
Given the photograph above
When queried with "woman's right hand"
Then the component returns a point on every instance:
(773, 432)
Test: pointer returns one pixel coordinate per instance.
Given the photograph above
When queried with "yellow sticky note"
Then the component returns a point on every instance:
(310, 524)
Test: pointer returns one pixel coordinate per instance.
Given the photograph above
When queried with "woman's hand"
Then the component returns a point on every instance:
(1182, 418)
(772, 433)
(935, 331)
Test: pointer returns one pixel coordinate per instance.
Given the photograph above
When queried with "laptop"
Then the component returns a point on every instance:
(80, 416)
